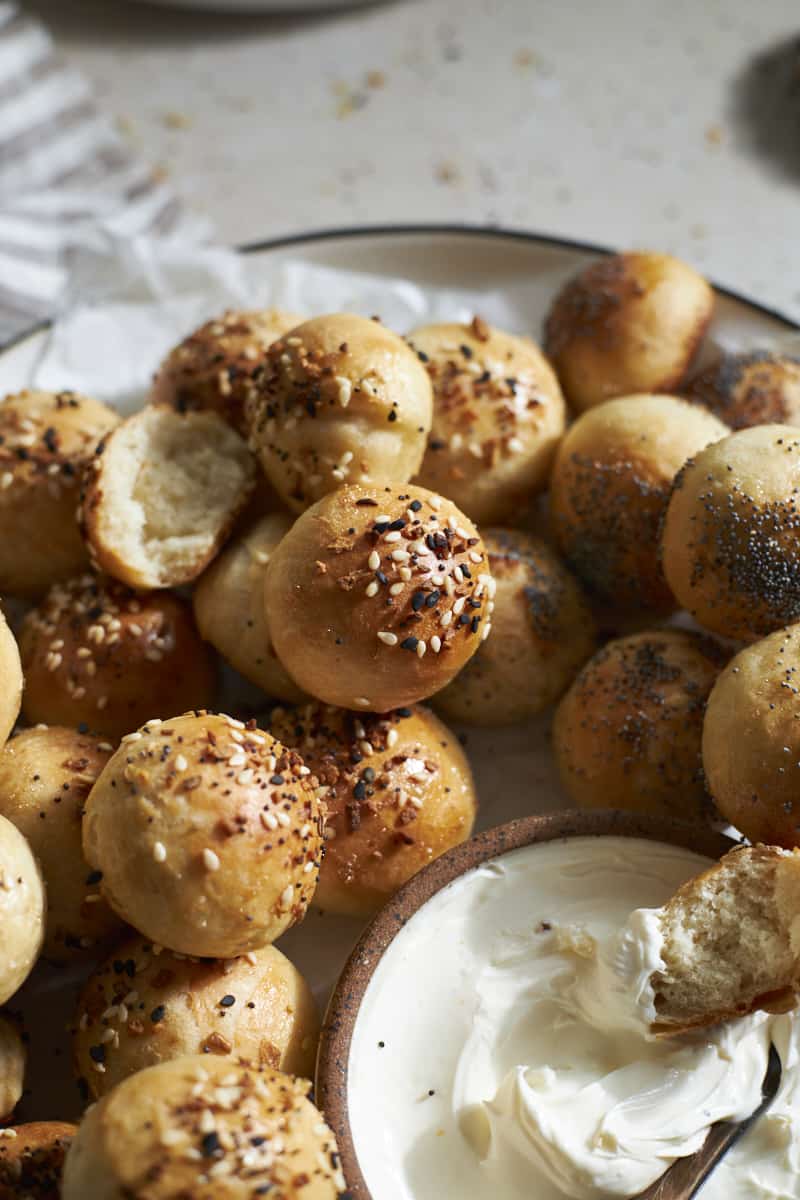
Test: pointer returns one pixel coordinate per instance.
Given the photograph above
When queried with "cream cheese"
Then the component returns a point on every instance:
(503, 1051)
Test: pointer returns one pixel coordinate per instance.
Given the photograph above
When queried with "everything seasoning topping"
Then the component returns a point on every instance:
(31, 445)
(101, 619)
(488, 398)
(242, 1123)
(302, 382)
(424, 566)
(370, 766)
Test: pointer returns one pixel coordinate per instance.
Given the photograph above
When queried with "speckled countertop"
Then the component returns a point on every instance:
(628, 122)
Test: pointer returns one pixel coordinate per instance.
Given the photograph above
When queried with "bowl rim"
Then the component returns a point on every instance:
(338, 1027)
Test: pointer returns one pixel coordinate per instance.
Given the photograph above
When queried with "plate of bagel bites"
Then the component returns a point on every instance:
(324, 599)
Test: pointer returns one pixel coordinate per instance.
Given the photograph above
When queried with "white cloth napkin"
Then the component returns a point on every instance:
(68, 182)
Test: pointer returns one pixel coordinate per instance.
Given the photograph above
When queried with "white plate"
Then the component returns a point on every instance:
(453, 258)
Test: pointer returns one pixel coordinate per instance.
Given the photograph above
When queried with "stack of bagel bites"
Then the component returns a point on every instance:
(357, 523)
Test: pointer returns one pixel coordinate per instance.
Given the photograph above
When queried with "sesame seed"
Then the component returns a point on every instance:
(6, 480)
(132, 737)
(486, 631)
(180, 763)
(436, 643)
(515, 445)
(446, 618)
(394, 535)
(362, 701)
(308, 868)
(389, 639)
(396, 589)
(404, 573)
(338, 474)
(474, 556)
(374, 561)
(287, 895)
(400, 555)
(392, 738)
(345, 389)
(346, 458)
(159, 852)
(458, 607)
(421, 648)
(210, 860)
(270, 820)
(245, 777)
(435, 502)
(366, 748)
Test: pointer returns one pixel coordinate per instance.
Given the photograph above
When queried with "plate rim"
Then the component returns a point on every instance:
(437, 229)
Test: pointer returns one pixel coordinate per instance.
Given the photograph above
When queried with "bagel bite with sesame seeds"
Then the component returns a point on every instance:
(378, 596)
(207, 1128)
(398, 791)
(45, 776)
(542, 634)
(207, 833)
(626, 324)
(498, 414)
(216, 365)
(32, 1160)
(757, 388)
(341, 399)
(628, 732)
(230, 611)
(96, 653)
(47, 440)
(133, 1013)
(729, 541)
(609, 490)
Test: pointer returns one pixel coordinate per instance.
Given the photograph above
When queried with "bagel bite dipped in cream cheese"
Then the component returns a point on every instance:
(508, 1031)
